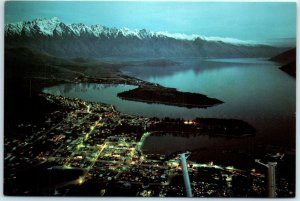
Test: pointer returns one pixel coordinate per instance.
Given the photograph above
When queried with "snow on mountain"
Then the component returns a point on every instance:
(78, 40)
(228, 40)
(80, 29)
(37, 26)
(50, 27)
(46, 27)
(97, 29)
(14, 28)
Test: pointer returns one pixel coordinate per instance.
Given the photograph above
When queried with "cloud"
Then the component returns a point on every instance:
(181, 36)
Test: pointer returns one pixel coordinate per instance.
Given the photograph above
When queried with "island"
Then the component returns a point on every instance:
(168, 96)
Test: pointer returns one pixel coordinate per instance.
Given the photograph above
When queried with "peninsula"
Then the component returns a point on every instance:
(168, 96)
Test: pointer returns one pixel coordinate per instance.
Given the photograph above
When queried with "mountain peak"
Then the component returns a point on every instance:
(81, 40)
(53, 20)
(39, 26)
(53, 26)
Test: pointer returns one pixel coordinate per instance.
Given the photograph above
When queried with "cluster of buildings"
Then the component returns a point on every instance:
(106, 146)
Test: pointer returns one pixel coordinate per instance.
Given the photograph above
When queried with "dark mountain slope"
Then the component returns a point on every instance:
(24, 63)
(288, 61)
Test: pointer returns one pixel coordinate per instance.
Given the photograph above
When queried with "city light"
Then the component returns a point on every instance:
(117, 157)
(81, 180)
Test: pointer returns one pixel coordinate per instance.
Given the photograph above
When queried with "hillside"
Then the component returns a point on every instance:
(290, 68)
(25, 63)
(285, 57)
(288, 61)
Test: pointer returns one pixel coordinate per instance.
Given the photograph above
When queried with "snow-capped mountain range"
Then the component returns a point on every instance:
(54, 27)
(57, 38)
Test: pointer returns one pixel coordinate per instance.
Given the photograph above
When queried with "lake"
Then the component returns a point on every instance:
(254, 90)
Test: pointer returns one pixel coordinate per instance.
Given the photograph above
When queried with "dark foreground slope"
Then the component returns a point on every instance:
(288, 61)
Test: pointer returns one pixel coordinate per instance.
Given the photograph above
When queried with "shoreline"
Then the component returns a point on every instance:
(153, 93)
(189, 106)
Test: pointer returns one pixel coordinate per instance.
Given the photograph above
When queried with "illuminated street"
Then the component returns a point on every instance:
(95, 139)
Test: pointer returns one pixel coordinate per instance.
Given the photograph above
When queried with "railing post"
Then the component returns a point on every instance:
(186, 177)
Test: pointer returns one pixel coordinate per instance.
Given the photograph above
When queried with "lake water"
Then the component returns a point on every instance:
(254, 90)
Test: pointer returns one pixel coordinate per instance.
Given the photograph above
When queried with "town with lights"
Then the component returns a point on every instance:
(92, 149)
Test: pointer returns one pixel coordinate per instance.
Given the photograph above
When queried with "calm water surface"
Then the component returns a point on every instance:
(253, 90)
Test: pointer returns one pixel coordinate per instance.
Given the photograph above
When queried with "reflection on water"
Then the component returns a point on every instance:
(171, 143)
(253, 90)
(105, 93)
